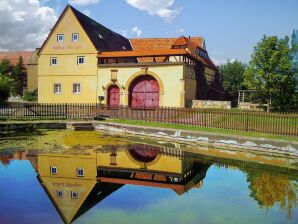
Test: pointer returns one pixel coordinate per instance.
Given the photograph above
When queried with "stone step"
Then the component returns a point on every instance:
(84, 128)
(82, 124)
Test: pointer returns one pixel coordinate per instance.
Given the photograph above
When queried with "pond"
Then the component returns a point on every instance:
(92, 177)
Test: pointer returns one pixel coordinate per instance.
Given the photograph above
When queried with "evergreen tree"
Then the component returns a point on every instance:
(19, 74)
(271, 72)
(5, 67)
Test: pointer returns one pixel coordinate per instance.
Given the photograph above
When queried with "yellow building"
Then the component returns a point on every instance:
(84, 62)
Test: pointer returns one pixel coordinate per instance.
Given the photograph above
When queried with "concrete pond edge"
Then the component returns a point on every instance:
(195, 138)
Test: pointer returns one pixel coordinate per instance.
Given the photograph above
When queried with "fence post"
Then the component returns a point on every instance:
(246, 121)
(205, 117)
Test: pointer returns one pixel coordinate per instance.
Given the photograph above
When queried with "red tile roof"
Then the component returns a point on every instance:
(13, 56)
(159, 43)
(145, 44)
(145, 49)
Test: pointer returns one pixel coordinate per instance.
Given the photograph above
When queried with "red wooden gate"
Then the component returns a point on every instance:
(113, 96)
(144, 92)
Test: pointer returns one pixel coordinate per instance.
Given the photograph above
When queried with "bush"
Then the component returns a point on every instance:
(5, 87)
(30, 95)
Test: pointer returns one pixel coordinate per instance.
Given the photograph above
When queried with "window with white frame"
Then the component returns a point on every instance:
(80, 172)
(81, 60)
(59, 194)
(54, 61)
(57, 88)
(75, 37)
(74, 195)
(60, 37)
(76, 88)
(53, 170)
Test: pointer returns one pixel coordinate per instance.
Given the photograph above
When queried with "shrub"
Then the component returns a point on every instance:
(5, 87)
(30, 95)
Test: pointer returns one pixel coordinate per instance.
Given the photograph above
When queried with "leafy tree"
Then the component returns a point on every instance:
(19, 74)
(5, 87)
(271, 72)
(269, 189)
(232, 77)
(5, 67)
(294, 45)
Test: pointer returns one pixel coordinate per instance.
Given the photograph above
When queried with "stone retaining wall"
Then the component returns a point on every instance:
(210, 104)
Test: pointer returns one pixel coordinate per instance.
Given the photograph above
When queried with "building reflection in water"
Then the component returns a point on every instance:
(77, 182)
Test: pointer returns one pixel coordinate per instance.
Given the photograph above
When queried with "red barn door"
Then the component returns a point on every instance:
(144, 92)
(113, 96)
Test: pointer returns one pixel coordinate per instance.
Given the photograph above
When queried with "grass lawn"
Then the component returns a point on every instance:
(203, 129)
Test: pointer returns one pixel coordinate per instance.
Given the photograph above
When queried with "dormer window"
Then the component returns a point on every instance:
(60, 37)
(75, 37)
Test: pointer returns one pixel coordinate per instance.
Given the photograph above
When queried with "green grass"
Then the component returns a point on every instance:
(202, 129)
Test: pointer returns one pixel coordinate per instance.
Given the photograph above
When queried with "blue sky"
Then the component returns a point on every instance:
(231, 27)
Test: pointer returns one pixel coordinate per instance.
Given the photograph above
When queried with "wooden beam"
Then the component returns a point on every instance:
(145, 53)
(141, 183)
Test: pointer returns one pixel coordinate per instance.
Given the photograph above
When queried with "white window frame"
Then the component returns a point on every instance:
(52, 60)
(54, 86)
(58, 37)
(74, 194)
(73, 35)
(74, 89)
(78, 60)
(53, 168)
(78, 172)
(59, 194)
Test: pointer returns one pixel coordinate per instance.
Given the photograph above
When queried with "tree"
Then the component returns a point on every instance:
(269, 188)
(294, 45)
(5, 67)
(19, 74)
(232, 77)
(271, 72)
(5, 87)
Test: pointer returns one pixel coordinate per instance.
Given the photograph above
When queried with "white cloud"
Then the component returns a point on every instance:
(136, 31)
(87, 12)
(24, 24)
(179, 30)
(83, 2)
(219, 62)
(130, 33)
(164, 8)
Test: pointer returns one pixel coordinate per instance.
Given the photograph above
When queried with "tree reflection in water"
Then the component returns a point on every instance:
(269, 188)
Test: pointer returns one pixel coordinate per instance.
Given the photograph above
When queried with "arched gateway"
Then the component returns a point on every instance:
(144, 92)
(113, 96)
